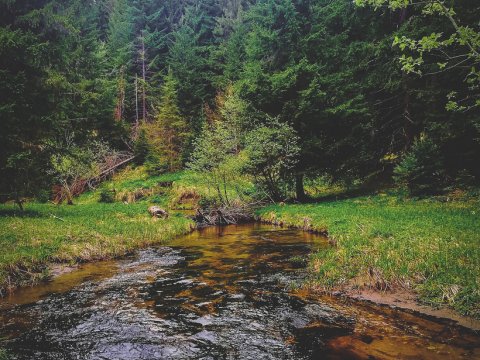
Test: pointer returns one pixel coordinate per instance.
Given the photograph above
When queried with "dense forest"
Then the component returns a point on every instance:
(371, 91)
(227, 164)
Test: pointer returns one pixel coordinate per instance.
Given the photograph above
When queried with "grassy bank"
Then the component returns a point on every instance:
(429, 246)
(88, 230)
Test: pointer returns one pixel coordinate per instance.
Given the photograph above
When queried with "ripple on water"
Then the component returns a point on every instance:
(215, 294)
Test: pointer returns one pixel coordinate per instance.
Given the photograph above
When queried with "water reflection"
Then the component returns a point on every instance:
(219, 293)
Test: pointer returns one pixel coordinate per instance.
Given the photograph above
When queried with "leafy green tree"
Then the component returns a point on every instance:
(457, 45)
(215, 156)
(218, 154)
(272, 155)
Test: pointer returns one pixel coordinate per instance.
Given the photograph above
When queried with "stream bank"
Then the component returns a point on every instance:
(391, 245)
(221, 293)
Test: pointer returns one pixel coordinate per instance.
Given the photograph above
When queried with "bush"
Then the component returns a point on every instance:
(272, 152)
(154, 167)
(107, 196)
(43, 196)
(422, 169)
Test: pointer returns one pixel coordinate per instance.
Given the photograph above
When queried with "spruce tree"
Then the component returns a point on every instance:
(168, 134)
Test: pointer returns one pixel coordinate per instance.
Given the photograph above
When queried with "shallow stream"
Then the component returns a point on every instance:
(218, 293)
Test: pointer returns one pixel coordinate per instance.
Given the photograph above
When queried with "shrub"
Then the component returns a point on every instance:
(421, 169)
(272, 154)
(155, 165)
(43, 196)
(107, 196)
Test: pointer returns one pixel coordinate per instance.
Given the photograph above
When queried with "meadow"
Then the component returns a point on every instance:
(387, 242)
(88, 230)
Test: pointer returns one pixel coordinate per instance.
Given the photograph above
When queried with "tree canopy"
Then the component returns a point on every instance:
(371, 89)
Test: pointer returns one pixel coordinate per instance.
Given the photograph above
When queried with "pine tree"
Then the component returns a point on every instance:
(168, 134)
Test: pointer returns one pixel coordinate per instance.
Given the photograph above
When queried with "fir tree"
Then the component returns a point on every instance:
(169, 133)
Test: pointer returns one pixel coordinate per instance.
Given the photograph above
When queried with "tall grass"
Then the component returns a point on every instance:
(428, 246)
(85, 231)
(3, 354)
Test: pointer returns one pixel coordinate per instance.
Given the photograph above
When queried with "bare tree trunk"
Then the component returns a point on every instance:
(136, 107)
(121, 95)
(403, 15)
(144, 100)
(68, 192)
(299, 189)
(18, 201)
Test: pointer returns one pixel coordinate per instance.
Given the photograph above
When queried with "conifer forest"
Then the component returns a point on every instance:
(169, 152)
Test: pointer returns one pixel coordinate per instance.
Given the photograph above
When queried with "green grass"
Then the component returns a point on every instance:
(428, 246)
(88, 230)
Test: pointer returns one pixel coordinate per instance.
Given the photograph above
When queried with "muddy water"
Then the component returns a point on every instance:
(219, 293)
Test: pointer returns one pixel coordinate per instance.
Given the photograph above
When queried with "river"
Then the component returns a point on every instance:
(218, 293)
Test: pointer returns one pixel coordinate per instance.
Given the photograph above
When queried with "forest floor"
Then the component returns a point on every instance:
(386, 244)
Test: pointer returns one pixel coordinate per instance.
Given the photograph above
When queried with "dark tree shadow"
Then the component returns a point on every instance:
(347, 194)
(16, 212)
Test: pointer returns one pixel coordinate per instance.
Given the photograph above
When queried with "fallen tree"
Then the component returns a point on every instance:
(224, 215)
(79, 177)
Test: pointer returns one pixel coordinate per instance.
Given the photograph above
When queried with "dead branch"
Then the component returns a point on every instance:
(225, 215)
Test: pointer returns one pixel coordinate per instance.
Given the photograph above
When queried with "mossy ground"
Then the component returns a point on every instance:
(430, 246)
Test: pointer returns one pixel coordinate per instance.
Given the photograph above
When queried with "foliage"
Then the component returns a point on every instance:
(77, 164)
(421, 169)
(272, 154)
(458, 46)
(217, 150)
(40, 100)
(141, 147)
(108, 70)
(107, 196)
(216, 157)
(168, 134)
